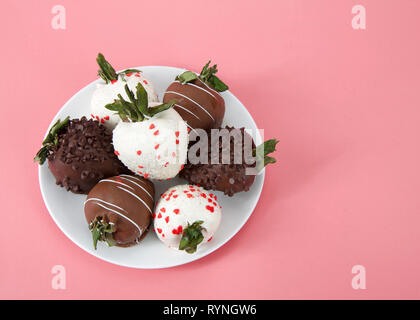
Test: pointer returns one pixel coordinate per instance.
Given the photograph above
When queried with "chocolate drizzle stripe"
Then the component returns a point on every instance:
(210, 88)
(185, 109)
(137, 197)
(118, 182)
(190, 127)
(138, 186)
(108, 203)
(133, 177)
(174, 92)
(120, 214)
(194, 85)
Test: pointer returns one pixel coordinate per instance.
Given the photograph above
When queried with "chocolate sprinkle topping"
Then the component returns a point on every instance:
(84, 155)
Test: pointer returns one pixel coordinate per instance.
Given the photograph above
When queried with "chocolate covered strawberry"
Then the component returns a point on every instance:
(186, 217)
(113, 84)
(150, 141)
(198, 100)
(231, 168)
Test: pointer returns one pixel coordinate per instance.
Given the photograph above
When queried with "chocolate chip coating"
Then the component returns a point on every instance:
(229, 178)
(84, 155)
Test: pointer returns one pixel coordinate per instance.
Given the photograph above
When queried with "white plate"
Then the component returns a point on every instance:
(66, 208)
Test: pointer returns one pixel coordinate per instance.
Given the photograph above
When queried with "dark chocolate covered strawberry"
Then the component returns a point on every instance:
(79, 153)
(197, 98)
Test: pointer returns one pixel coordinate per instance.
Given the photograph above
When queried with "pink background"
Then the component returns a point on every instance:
(343, 103)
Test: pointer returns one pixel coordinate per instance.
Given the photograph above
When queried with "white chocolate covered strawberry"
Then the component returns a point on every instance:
(150, 141)
(114, 84)
(186, 216)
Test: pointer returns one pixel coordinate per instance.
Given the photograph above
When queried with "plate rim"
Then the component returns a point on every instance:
(233, 234)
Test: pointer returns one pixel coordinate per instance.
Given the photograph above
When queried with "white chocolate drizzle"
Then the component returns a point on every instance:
(137, 197)
(114, 211)
(117, 182)
(185, 109)
(194, 85)
(138, 186)
(174, 92)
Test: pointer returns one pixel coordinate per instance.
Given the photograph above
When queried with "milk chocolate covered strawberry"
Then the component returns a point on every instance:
(119, 210)
(197, 98)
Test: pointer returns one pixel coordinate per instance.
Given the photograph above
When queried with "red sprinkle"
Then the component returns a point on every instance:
(152, 126)
(156, 132)
(102, 121)
(167, 219)
(177, 141)
(175, 196)
(139, 152)
(178, 230)
(154, 215)
(137, 75)
(163, 209)
(139, 172)
(177, 134)
(116, 153)
(145, 81)
(106, 118)
(156, 146)
(188, 130)
(92, 115)
(173, 154)
(128, 74)
(189, 195)
(113, 81)
(166, 164)
(97, 118)
(141, 167)
(209, 239)
(163, 235)
(159, 230)
(203, 195)
(176, 211)
(210, 208)
(146, 175)
(159, 215)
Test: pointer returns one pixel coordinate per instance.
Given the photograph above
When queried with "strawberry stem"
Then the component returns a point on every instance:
(137, 108)
(191, 237)
(261, 153)
(102, 231)
(51, 140)
(106, 71)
